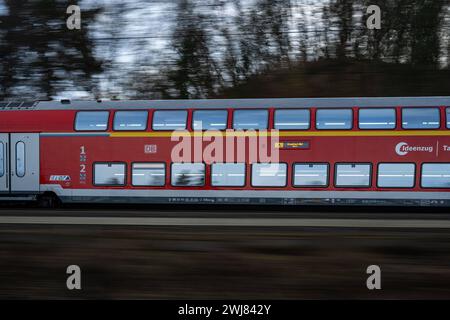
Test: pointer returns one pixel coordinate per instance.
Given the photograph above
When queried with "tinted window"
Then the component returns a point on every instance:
(188, 174)
(353, 175)
(109, 174)
(396, 175)
(130, 120)
(436, 175)
(92, 121)
(420, 118)
(340, 119)
(228, 174)
(377, 118)
(148, 174)
(292, 119)
(210, 120)
(169, 120)
(2, 159)
(250, 119)
(20, 159)
(310, 175)
(269, 175)
(448, 118)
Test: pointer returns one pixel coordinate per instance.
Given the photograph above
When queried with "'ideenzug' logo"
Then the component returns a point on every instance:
(403, 149)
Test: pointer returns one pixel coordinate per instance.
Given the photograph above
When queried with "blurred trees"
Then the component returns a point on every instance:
(211, 48)
(39, 55)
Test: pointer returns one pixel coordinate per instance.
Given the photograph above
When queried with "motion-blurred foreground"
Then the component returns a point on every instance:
(223, 262)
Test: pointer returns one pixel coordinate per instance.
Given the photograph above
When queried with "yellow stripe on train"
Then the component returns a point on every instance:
(167, 134)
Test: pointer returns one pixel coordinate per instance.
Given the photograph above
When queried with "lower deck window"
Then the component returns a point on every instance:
(436, 175)
(148, 174)
(310, 175)
(269, 175)
(109, 174)
(188, 174)
(228, 174)
(353, 175)
(396, 175)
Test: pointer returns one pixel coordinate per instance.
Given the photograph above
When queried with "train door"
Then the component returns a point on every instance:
(19, 159)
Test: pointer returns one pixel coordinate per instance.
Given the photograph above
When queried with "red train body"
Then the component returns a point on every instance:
(44, 154)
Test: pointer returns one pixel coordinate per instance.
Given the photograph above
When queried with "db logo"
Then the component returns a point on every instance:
(400, 148)
(150, 148)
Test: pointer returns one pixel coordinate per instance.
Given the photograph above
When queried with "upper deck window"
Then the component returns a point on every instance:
(334, 119)
(210, 120)
(250, 119)
(377, 118)
(298, 119)
(130, 120)
(169, 120)
(92, 121)
(420, 118)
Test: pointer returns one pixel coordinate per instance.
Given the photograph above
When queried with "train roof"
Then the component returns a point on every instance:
(228, 103)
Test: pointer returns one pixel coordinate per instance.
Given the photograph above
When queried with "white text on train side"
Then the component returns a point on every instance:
(403, 148)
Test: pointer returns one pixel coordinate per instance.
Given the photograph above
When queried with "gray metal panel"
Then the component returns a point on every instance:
(247, 103)
(248, 193)
(4, 157)
(30, 181)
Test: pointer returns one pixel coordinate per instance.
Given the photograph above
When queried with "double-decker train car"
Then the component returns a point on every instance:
(334, 151)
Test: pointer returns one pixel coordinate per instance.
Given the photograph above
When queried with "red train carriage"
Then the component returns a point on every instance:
(365, 151)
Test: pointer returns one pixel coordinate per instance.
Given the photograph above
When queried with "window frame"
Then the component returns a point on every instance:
(421, 176)
(148, 162)
(334, 109)
(262, 187)
(255, 109)
(119, 111)
(186, 125)
(353, 186)
(378, 129)
(197, 186)
(311, 186)
(404, 108)
(414, 180)
(245, 174)
(226, 121)
(125, 182)
(296, 129)
(86, 111)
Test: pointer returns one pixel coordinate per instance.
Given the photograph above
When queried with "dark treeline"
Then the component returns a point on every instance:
(217, 48)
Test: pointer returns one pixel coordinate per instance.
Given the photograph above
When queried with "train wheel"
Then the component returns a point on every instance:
(49, 200)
